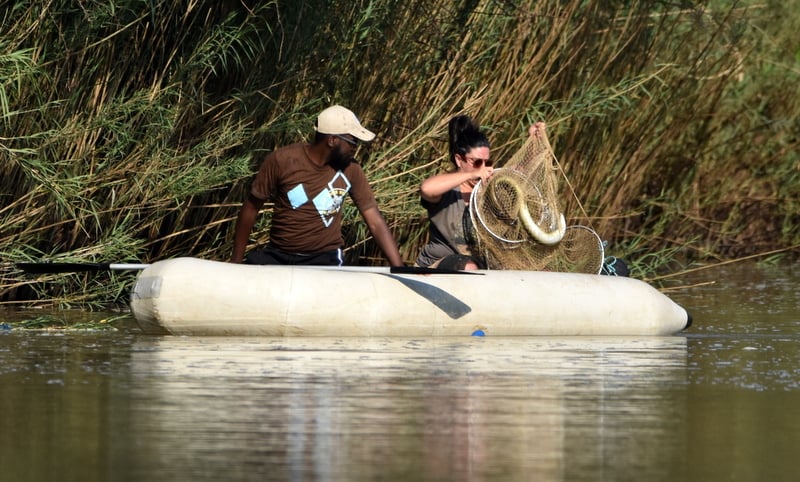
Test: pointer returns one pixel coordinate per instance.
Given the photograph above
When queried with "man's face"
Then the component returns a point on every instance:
(343, 151)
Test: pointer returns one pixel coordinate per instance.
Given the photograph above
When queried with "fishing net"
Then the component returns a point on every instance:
(518, 223)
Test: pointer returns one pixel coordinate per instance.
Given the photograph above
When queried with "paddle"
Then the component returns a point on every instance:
(418, 270)
(51, 267)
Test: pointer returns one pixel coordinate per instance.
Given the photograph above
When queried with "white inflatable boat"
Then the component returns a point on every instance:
(189, 296)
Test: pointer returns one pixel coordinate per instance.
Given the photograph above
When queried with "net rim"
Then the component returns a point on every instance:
(473, 202)
(602, 249)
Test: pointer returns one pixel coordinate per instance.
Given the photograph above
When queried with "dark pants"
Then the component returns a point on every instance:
(273, 255)
(457, 262)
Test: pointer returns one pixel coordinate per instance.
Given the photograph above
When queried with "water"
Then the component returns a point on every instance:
(718, 402)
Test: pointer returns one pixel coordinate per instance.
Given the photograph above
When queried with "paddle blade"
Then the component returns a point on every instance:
(49, 267)
(43, 268)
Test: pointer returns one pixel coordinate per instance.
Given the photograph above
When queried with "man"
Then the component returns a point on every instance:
(308, 183)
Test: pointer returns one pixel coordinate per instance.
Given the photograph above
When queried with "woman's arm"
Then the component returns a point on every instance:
(433, 188)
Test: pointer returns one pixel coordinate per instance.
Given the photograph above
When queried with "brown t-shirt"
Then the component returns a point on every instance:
(307, 215)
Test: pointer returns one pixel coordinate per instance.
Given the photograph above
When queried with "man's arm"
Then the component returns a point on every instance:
(244, 224)
(380, 231)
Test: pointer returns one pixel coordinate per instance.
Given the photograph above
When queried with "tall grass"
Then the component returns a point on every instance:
(130, 129)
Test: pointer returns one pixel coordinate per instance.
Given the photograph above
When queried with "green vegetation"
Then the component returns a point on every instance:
(130, 128)
(62, 320)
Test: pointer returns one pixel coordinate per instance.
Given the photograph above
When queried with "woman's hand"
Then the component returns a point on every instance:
(537, 129)
(484, 174)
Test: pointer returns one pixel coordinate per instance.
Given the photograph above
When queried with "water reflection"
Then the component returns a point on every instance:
(59, 408)
(356, 409)
(743, 298)
(747, 326)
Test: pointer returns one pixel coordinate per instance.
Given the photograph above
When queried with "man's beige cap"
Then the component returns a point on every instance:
(339, 120)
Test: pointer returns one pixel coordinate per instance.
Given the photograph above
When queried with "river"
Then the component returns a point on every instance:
(720, 401)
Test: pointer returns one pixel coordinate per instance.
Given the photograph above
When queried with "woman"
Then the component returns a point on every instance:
(446, 197)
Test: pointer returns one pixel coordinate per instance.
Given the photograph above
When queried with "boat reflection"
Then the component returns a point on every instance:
(356, 409)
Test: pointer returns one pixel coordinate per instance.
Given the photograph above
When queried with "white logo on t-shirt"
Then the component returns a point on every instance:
(329, 201)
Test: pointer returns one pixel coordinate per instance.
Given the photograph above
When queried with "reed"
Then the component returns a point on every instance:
(130, 129)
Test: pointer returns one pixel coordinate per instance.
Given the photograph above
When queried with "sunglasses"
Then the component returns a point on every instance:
(352, 142)
(479, 162)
